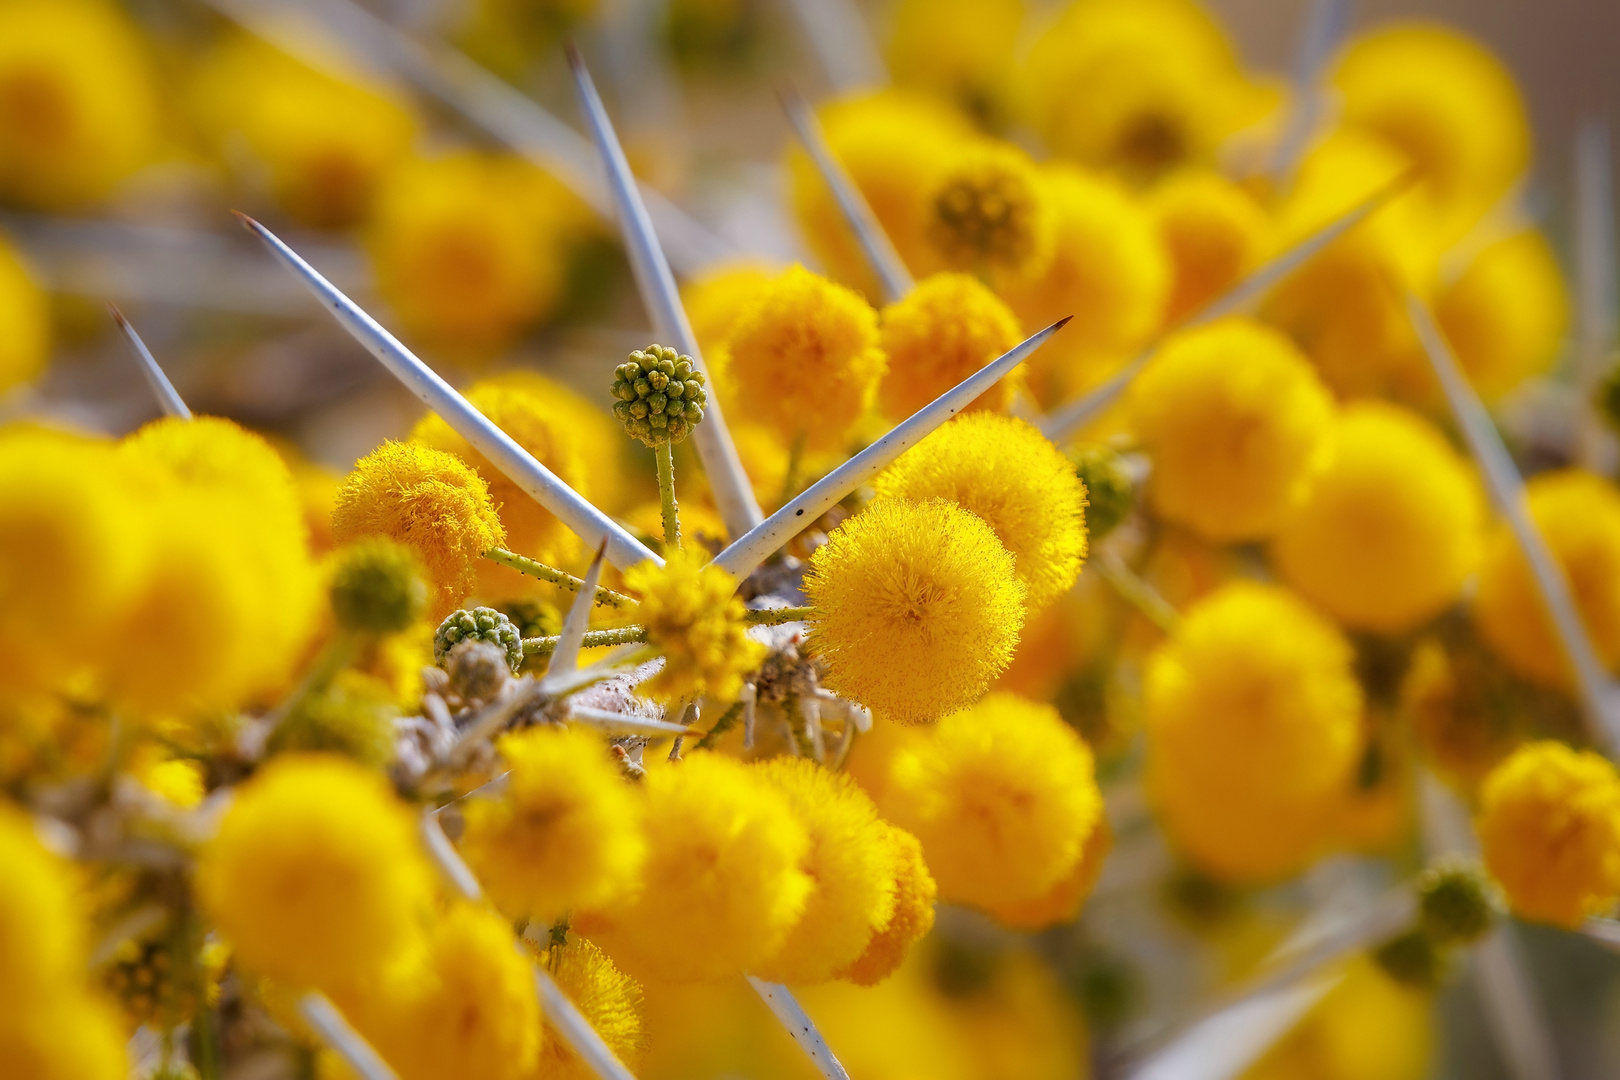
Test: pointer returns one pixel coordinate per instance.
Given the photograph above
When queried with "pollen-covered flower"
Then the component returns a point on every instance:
(1002, 796)
(1578, 515)
(430, 501)
(1390, 526)
(918, 607)
(722, 885)
(25, 347)
(316, 875)
(608, 999)
(804, 357)
(1007, 473)
(1235, 420)
(1253, 719)
(851, 866)
(566, 832)
(1215, 231)
(1506, 314)
(938, 334)
(914, 894)
(1549, 824)
(693, 615)
(990, 214)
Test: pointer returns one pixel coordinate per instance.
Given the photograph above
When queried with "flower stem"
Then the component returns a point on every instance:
(795, 465)
(1138, 593)
(778, 616)
(666, 497)
(624, 635)
(727, 721)
(525, 565)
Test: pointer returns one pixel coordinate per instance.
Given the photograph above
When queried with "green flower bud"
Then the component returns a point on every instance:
(377, 587)
(479, 624)
(661, 393)
(1414, 959)
(343, 719)
(1457, 903)
(1110, 492)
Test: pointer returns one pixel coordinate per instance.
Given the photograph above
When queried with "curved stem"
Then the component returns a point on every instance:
(525, 565)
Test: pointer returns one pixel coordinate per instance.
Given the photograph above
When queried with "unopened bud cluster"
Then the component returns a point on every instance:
(661, 395)
(479, 624)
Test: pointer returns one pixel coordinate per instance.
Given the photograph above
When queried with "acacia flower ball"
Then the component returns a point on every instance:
(25, 348)
(1062, 902)
(1253, 719)
(1002, 797)
(1578, 515)
(428, 500)
(608, 999)
(918, 606)
(938, 334)
(693, 615)
(42, 933)
(959, 51)
(316, 875)
(1216, 234)
(1234, 419)
(1390, 526)
(1505, 316)
(990, 214)
(565, 833)
(1007, 473)
(1549, 825)
(805, 358)
(851, 866)
(722, 885)
(914, 894)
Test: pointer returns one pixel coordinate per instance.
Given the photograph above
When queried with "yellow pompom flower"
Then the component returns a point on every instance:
(944, 330)
(960, 50)
(1109, 270)
(851, 866)
(69, 1037)
(1578, 515)
(316, 875)
(914, 894)
(1391, 525)
(918, 607)
(716, 298)
(547, 428)
(1002, 797)
(693, 615)
(1549, 825)
(79, 107)
(1505, 316)
(1235, 420)
(1062, 902)
(326, 141)
(565, 833)
(428, 500)
(722, 885)
(1253, 718)
(1007, 473)
(990, 215)
(804, 358)
(609, 1000)
(1216, 233)
(1367, 1027)
(25, 340)
(43, 947)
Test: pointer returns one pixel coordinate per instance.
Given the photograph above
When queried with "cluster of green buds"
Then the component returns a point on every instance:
(661, 395)
(479, 624)
(1110, 490)
(1457, 905)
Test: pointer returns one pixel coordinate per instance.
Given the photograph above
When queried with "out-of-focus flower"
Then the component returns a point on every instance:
(944, 330)
(1506, 314)
(609, 1000)
(1333, 1041)
(25, 325)
(913, 916)
(989, 214)
(1216, 233)
(960, 50)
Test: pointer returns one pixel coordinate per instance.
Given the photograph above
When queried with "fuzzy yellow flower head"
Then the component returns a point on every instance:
(1007, 473)
(804, 357)
(1549, 824)
(1391, 525)
(990, 214)
(716, 298)
(25, 347)
(918, 607)
(565, 833)
(68, 1037)
(941, 332)
(428, 500)
(850, 863)
(316, 875)
(43, 946)
(722, 885)
(1234, 419)
(1505, 316)
(1578, 515)
(609, 1000)
(914, 894)
(693, 615)
(1002, 796)
(1062, 902)
(1253, 718)
(1216, 233)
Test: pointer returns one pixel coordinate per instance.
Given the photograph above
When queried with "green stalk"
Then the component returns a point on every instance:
(795, 465)
(666, 497)
(624, 635)
(525, 565)
(778, 616)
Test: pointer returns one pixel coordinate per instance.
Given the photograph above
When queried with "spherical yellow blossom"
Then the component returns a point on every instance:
(1391, 524)
(1449, 105)
(325, 141)
(693, 615)
(716, 298)
(918, 607)
(43, 945)
(1007, 473)
(1003, 798)
(914, 894)
(1506, 315)
(1253, 718)
(990, 214)
(1235, 421)
(851, 866)
(1578, 515)
(316, 875)
(722, 885)
(1061, 903)
(894, 146)
(67, 1037)
(608, 999)
(25, 345)
(1367, 1027)
(78, 101)
(547, 428)
(1109, 270)
(1140, 85)
(944, 330)
(1216, 233)
(178, 781)
(565, 833)
(804, 357)
(1549, 825)
(961, 50)
(428, 500)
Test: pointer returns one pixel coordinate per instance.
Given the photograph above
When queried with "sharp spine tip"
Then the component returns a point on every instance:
(1061, 323)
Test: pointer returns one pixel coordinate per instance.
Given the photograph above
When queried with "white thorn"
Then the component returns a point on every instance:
(1325, 24)
(613, 723)
(447, 858)
(791, 1015)
(1223, 1045)
(323, 1016)
(749, 697)
(575, 1030)
(1595, 289)
(162, 389)
(839, 36)
(565, 657)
